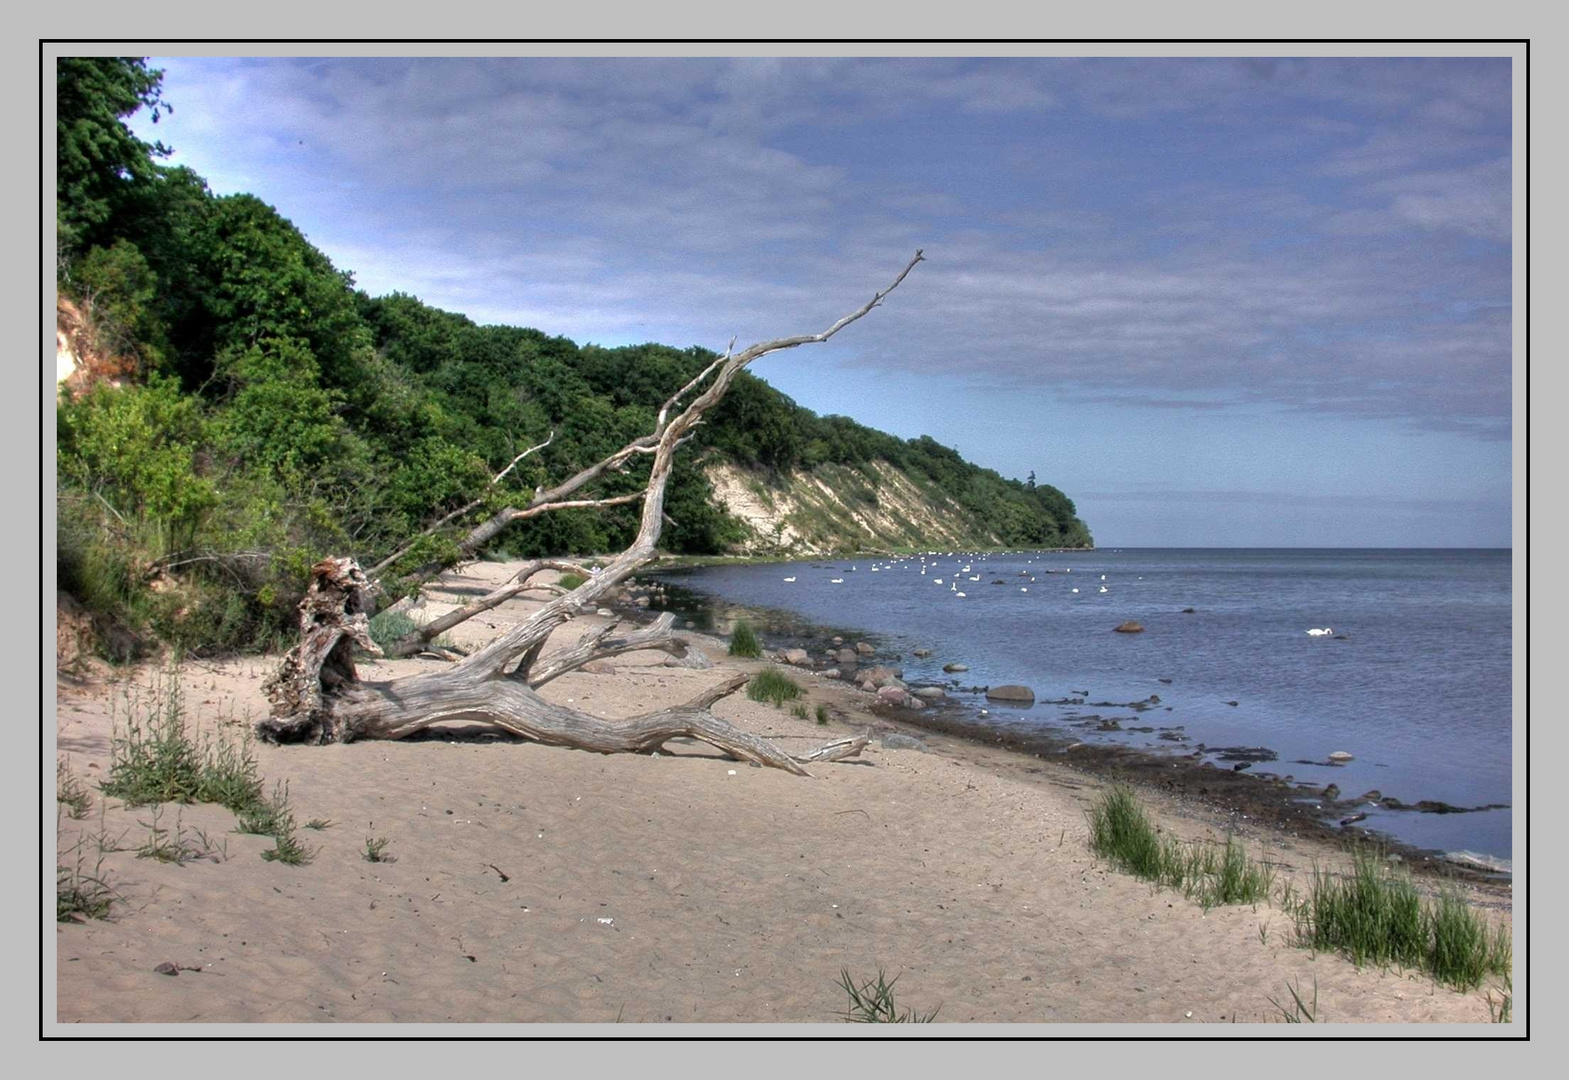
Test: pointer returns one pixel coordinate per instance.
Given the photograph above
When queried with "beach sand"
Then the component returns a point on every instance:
(681, 888)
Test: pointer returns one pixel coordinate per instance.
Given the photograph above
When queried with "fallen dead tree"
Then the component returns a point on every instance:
(317, 695)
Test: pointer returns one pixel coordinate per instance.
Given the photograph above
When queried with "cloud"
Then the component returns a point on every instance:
(1293, 233)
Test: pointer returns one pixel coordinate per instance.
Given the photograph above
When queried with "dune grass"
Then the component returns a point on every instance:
(771, 686)
(570, 581)
(154, 758)
(743, 641)
(69, 791)
(1375, 915)
(1210, 874)
(871, 1002)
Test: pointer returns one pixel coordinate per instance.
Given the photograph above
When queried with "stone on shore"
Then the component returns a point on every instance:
(1010, 692)
(798, 657)
(864, 649)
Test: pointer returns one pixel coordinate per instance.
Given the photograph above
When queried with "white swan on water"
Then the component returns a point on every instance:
(836, 581)
(789, 579)
(1321, 633)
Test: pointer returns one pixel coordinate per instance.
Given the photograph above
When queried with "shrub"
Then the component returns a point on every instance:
(770, 685)
(743, 641)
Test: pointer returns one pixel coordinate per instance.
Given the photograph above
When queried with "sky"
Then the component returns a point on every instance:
(1218, 302)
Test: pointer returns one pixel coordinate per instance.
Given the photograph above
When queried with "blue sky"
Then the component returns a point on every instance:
(1216, 301)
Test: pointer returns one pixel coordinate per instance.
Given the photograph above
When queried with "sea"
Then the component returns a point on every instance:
(1413, 679)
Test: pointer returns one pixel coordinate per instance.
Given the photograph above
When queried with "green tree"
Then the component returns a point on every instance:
(99, 159)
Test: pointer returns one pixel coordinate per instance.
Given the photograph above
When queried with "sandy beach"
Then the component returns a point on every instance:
(539, 884)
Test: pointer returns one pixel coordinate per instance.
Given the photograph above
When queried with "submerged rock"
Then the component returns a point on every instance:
(1011, 692)
(956, 667)
(1129, 627)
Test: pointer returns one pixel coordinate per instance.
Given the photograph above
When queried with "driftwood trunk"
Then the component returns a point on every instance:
(317, 695)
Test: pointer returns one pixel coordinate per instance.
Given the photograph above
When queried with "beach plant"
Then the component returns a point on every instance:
(70, 792)
(155, 759)
(871, 1002)
(799, 711)
(267, 817)
(822, 714)
(1375, 915)
(320, 823)
(1300, 1010)
(387, 627)
(772, 686)
(743, 641)
(1502, 1010)
(376, 850)
(81, 892)
(1207, 873)
(570, 581)
(178, 847)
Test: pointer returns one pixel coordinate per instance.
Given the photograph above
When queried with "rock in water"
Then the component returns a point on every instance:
(922, 653)
(1011, 693)
(1130, 627)
(956, 667)
(864, 649)
(798, 657)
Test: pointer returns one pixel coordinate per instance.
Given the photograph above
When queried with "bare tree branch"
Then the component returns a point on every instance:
(318, 696)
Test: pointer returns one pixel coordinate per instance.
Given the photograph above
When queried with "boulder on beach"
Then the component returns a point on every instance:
(931, 693)
(847, 656)
(1010, 692)
(864, 649)
(1129, 627)
(798, 657)
(956, 667)
(831, 673)
(880, 676)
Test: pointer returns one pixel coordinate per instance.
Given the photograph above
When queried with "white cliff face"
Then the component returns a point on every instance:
(836, 508)
(64, 357)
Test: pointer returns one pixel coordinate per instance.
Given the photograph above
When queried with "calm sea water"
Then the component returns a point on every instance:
(1419, 691)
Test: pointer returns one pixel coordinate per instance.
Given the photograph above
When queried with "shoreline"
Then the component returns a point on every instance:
(544, 884)
(1247, 799)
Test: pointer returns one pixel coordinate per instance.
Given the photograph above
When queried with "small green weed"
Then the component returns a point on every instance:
(772, 686)
(69, 791)
(376, 850)
(570, 581)
(81, 893)
(178, 847)
(822, 714)
(319, 823)
(1300, 1011)
(267, 817)
(799, 711)
(872, 1002)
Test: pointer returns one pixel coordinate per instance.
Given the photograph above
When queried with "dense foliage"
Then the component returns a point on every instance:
(279, 415)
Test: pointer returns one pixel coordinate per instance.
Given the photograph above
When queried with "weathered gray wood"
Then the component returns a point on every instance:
(317, 695)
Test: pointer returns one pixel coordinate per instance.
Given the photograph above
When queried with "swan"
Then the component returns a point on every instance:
(958, 594)
(937, 581)
(836, 581)
(1022, 589)
(1075, 590)
(789, 579)
(1103, 588)
(1321, 633)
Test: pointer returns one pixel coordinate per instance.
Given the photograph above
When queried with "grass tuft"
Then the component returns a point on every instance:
(1375, 915)
(570, 581)
(872, 1002)
(772, 686)
(1300, 1011)
(155, 759)
(69, 791)
(743, 641)
(178, 847)
(81, 893)
(376, 850)
(1209, 874)
(822, 714)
